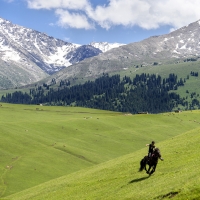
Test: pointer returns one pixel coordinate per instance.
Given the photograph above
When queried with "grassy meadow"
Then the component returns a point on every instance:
(182, 70)
(80, 153)
(177, 177)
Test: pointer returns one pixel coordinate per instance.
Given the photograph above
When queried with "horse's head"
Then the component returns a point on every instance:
(157, 152)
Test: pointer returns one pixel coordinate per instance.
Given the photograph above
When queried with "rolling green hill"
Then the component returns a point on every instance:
(177, 177)
(93, 154)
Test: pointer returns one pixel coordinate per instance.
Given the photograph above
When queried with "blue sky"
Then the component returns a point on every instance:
(85, 21)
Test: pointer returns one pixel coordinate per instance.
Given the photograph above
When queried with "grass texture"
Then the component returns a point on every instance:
(80, 153)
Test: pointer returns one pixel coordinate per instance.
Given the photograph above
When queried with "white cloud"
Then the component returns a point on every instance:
(73, 20)
(55, 4)
(148, 14)
(119, 12)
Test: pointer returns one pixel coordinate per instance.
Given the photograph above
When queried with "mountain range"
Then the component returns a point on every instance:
(178, 46)
(27, 56)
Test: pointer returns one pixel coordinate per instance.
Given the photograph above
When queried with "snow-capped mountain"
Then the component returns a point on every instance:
(25, 46)
(177, 46)
(105, 46)
(27, 56)
(34, 53)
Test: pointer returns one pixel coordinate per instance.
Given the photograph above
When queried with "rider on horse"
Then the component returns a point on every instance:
(151, 148)
(151, 161)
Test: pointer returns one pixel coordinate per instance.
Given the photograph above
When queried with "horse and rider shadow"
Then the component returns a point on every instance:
(151, 162)
(139, 179)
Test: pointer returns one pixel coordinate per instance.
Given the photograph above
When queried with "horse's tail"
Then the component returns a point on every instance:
(142, 165)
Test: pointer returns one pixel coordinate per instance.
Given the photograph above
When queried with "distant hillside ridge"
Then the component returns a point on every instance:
(178, 46)
(142, 94)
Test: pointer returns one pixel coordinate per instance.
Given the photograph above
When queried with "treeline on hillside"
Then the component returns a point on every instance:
(144, 93)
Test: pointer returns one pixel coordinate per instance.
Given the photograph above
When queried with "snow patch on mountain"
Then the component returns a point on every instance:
(7, 53)
(105, 46)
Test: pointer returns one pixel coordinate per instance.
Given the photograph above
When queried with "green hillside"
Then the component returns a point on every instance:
(92, 151)
(182, 70)
(177, 177)
(189, 90)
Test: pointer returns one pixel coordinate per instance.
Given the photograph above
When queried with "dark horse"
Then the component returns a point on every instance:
(152, 162)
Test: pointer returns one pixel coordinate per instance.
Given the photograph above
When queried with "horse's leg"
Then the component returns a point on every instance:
(153, 169)
(148, 169)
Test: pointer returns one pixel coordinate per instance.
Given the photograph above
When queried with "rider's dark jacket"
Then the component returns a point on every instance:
(151, 148)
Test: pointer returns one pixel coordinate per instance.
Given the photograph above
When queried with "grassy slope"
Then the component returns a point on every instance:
(38, 144)
(177, 176)
(180, 69)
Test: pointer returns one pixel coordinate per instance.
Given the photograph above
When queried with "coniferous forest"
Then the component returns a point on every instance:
(144, 93)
